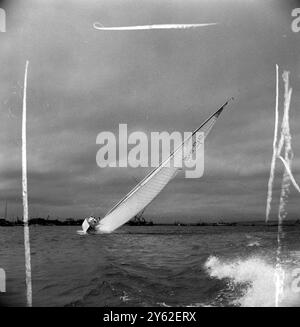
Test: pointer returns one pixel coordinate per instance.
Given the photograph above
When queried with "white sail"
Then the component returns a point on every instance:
(145, 191)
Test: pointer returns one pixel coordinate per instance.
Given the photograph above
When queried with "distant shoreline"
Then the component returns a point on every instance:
(73, 222)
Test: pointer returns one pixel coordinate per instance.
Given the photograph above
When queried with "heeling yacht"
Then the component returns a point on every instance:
(146, 190)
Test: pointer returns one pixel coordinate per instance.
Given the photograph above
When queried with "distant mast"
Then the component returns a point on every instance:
(5, 211)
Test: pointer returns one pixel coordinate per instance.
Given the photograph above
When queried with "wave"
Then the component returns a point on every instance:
(253, 281)
(254, 243)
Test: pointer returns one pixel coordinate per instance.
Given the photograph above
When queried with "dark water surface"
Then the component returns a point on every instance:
(150, 266)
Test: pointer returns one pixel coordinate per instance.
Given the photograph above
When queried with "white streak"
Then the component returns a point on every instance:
(25, 196)
(288, 170)
(273, 162)
(288, 152)
(285, 140)
(286, 144)
(100, 27)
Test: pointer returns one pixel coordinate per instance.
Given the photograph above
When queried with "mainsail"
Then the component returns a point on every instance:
(146, 190)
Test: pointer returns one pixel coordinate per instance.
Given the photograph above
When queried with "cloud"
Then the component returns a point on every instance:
(82, 82)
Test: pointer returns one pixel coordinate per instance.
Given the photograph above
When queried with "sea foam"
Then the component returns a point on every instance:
(256, 276)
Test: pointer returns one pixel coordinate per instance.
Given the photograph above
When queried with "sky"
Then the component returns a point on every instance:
(82, 81)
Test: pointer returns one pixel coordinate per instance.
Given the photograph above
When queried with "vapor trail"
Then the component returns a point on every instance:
(273, 162)
(25, 195)
(100, 27)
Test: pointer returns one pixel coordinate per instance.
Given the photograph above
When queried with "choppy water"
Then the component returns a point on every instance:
(150, 266)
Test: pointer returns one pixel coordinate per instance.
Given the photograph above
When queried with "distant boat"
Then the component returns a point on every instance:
(146, 190)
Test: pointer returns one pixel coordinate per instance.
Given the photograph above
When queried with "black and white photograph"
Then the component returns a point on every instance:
(149, 156)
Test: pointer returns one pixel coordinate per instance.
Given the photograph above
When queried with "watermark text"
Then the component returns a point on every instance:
(2, 20)
(138, 149)
(2, 281)
(296, 22)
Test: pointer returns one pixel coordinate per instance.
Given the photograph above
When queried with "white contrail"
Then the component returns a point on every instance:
(100, 27)
(273, 162)
(25, 196)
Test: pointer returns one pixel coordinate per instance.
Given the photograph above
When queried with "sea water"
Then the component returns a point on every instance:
(151, 266)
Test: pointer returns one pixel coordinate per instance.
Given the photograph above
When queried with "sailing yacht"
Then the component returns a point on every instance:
(146, 190)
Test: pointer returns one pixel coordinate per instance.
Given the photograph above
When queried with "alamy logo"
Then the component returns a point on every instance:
(2, 20)
(138, 149)
(2, 281)
(296, 22)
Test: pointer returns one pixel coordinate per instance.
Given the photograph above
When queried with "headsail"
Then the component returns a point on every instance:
(145, 191)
